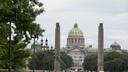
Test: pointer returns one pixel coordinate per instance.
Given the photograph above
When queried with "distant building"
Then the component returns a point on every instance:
(76, 47)
(115, 46)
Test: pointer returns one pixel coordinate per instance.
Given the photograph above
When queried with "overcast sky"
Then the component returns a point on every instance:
(88, 14)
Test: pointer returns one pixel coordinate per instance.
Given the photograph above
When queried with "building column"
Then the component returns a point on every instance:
(100, 48)
(57, 48)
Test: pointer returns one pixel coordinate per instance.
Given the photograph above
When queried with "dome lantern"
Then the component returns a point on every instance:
(75, 26)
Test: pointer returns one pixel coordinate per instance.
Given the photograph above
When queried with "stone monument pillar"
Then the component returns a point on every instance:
(100, 48)
(57, 48)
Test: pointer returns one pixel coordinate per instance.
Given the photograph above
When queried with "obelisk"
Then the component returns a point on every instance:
(57, 48)
(100, 48)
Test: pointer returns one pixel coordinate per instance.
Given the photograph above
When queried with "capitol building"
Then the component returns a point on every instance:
(78, 50)
(76, 47)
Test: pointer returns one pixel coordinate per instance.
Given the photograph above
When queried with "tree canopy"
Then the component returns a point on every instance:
(90, 63)
(45, 60)
(113, 62)
(19, 17)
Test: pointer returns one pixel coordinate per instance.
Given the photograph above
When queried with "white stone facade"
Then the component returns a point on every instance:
(76, 48)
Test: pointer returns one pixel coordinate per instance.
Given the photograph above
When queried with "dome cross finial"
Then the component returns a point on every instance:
(75, 25)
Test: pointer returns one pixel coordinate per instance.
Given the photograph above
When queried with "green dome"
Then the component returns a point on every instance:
(75, 31)
(115, 44)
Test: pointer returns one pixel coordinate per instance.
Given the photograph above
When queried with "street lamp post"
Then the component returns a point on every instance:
(33, 56)
(42, 49)
(50, 49)
(45, 48)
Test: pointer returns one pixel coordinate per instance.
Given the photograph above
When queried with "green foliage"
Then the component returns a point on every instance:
(21, 14)
(117, 62)
(42, 60)
(45, 60)
(90, 62)
(113, 62)
(19, 55)
(66, 61)
(111, 55)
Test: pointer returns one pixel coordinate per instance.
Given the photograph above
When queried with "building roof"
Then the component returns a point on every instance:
(115, 44)
(75, 31)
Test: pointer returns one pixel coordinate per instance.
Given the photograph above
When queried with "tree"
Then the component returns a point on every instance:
(42, 60)
(90, 62)
(66, 61)
(20, 16)
(113, 62)
(45, 60)
(116, 62)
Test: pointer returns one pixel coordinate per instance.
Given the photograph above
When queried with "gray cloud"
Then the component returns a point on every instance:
(113, 13)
